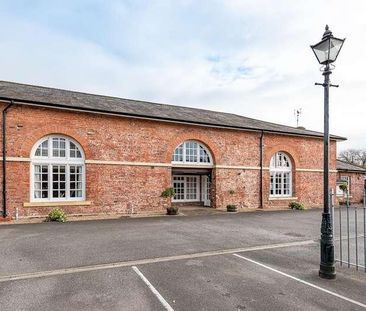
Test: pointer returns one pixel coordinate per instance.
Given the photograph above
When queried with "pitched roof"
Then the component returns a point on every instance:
(58, 98)
(345, 166)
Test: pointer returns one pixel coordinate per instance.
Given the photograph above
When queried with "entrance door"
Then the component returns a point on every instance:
(206, 187)
(187, 188)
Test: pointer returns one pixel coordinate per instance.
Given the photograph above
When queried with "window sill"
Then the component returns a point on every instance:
(282, 198)
(56, 204)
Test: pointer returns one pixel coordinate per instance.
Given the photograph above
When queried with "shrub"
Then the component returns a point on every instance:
(168, 193)
(343, 187)
(297, 205)
(57, 214)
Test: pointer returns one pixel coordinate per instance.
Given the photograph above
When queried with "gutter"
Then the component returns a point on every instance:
(4, 212)
(161, 119)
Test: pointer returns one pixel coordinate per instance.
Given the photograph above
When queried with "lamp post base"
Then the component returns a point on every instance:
(327, 264)
(327, 272)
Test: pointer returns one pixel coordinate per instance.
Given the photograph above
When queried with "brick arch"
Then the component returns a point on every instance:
(28, 141)
(290, 151)
(203, 139)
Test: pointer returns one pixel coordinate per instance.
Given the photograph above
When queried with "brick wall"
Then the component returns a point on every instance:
(123, 188)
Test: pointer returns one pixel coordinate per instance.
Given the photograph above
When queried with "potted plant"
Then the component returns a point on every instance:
(344, 188)
(231, 207)
(169, 193)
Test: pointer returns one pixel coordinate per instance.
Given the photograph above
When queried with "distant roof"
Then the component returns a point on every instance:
(57, 98)
(345, 166)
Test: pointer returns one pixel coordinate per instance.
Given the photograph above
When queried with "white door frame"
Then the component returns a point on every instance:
(206, 187)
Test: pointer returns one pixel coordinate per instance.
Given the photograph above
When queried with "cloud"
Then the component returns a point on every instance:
(247, 57)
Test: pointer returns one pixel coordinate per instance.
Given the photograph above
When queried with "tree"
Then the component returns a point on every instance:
(354, 156)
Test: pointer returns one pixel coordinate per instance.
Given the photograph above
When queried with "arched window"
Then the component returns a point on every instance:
(192, 152)
(281, 175)
(57, 170)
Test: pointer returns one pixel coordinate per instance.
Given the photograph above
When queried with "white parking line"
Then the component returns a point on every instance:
(165, 304)
(302, 281)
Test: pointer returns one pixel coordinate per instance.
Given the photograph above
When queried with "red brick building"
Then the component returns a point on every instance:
(96, 154)
(355, 177)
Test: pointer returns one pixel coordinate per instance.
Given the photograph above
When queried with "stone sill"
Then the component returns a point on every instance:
(282, 198)
(56, 204)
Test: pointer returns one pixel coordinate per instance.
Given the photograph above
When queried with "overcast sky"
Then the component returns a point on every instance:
(246, 57)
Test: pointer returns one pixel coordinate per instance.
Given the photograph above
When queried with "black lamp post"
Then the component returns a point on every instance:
(326, 52)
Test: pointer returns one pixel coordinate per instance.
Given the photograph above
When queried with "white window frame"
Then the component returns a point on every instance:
(66, 161)
(198, 179)
(273, 170)
(184, 155)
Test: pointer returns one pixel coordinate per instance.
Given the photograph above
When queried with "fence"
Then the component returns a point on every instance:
(349, 230)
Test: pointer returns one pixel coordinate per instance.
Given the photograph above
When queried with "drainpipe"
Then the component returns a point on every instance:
(4, 157)
(261, 170)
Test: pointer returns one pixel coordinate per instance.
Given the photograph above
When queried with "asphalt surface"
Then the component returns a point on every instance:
(210, 282)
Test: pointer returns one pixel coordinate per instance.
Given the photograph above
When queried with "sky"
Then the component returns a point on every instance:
(246, 57)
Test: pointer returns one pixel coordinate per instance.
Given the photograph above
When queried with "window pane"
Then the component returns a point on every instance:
(178, 185)
(74, 151)
(191, 151)
(59, 183)
(40, 181)
(178, 154)
(204, 157)
(42, 150)
(59, 147)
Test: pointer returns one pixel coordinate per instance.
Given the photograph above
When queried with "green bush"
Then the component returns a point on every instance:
(297, 205)
(168, 193)
(57, 214)
(343, 187)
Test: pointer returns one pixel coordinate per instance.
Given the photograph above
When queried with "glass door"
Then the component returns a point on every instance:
(187, 188)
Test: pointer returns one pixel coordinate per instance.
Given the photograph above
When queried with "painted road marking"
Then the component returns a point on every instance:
(40, 274)
(303, 282)
(165, 304)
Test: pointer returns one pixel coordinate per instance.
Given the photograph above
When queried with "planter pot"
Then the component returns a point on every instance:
(231, 208)
(172, 211)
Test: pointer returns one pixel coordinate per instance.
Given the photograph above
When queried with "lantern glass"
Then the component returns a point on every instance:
(327, 50)
(335, 46)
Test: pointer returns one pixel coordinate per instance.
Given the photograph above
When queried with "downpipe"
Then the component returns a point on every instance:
(4, 197)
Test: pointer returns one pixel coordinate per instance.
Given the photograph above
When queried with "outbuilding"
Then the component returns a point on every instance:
(93, 154)
(355, 178)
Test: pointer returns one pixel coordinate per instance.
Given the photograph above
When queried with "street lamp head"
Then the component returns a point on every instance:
(327, 50)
